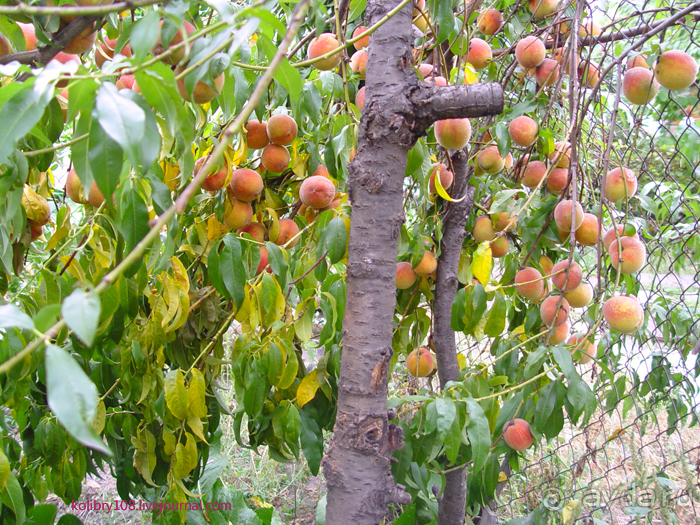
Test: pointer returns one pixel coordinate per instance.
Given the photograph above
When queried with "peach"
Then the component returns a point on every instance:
(530, 52)
(559, 275)
(257, 134)
(561, 155)
(405, 276)
(5, 47)
(264, 260)
(506, 220)
(29, 36)
(557, 180)
(639, 86)
(547, 73)
(127, 82)
(490, 160)
(362, 42)
(426, 70)
(489, 21)
(500, 247)
(587, 233)
(620, 183)
(281, 129)
(564, 215)
(542, 8)
(523, 131)
(508, 161)
(202, 92)
(216, 179)
(256, 230)
(580, 296)
(483, 229)
(516, 433)
(562, 55)
(546, 264)
(525, 286)
(321, 45)
(558, 335)
(453, 133)
(623, 313)
(446, 177)
(316, 192)
(420, 362)
(589, 28)
(35, 230)
(589, 75)
(548, 309)
(179, 54)
(437, 81)
(358, 63)
(587, 352)
(288, 230)
(610, 235)
(427, 265)
(74, 188)
(676, 70)
(95, 197)
(83, 42)
(479, 54)
(105, 51)
(360, 98)
(628, 255)
(246, 184)
(237, 214)
(322, 171)
(275, 158)
(638, 61)
(532, 173)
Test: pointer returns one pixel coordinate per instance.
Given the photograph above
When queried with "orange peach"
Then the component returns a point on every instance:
(105, 51)
(29, 36)
(620, 183)
(489, 21)
(559, 278)
(587, 233)
(557, 180)
(420, 362)
(500, 247)
(533, 172)
(580, 296)
(589, 75)
(564, 215)
(427, 265)
(525, 285)
(264, 260)
(523, 131)
(237, 214)
(483, 229)
(548, 310)
(95, 197)
(281, 129)
(542, 8)
(623, 313)
(360, 98)
(546, 264)
(558, 335)
(610, 235)
(453, 133)
(490, 160)
(516, 433)
(257, 134)
(547, 73)
(178, 54)
(506, 220)
(362, 42)
(316, 192)
(358, 63)
(589, 28)
(275, 158)
(83, 42)
(246, 184)
(638, 61)
(321, 45)
(676, 70)
(639, 86)
(288, 230)
(479, 54)
(216, 179)
(405, 276)
(74, 188)
(202, 92)
(256, 230)
(587, 352)
(530, 52)
(628, 255)
(561, 155)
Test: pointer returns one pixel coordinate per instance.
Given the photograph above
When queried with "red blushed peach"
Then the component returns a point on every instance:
(316, 192)
(275, 158)
(587, 233)
(427, 265)
(281, 129)
(506, 220)
(84, 42)
(426, 70)
(453, 133)
(586, 353)
(437, 81)
(564, 215)
(546, 264)
(257, 134)
(322, 171)
(562, 55)
(35, 230)
(321, 45)
(246, 184)
(358, 63)
(530, 52)
(420, 362)
(580, 296)
(202, 92)
(676, 70)
(547, 73)
(105, 51)
(623, 313)
(517, 435)
(620, 183)
(561, 156)
(127, 82)
(542, 8)
(362, 42)
(95, 196)
(500, 247)
(360, 98)
(5, 47)
(288, 230)
(489, 21)
(178, 54)
(556, 336)
(557, 180)
(256, 230)
(588, 75)
(490, 160)
(638, 61)
(559, 278)
(264, 261)
(610, 235)
(639, 86)
(446, 177)
(533, 173)
(215, 180)
(529, 283)
(631, 258)
(405, 276)
(483, 229)
(29, 36)
(523, 131)
(479, 54)
(237, 214)
(548, 310)
(74, 188)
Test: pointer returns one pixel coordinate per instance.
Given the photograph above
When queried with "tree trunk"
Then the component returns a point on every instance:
(398, 109)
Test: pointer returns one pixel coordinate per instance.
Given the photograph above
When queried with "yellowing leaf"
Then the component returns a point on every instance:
(461, 361)
(571, 511)
(307, 388)
(502, 477)
(482, 263)
(145, 455)
(62, 228)
(260, 503)
(443, 193)
(170, 442)
(214, 228)
(171, 175)
(195, 394)
(98, 421)
(4, 470)
(241, 154)
(470, 75)
(74, 268)
(35, 206)
(274, 230)
(196, 426)
(175, 394)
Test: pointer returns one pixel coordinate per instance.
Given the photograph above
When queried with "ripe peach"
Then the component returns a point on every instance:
(275, 158)
(589, 28)
(561, 154)
(5, 47)
(638, 61)
(281, 129)
(202, 92)
(508, 164)
(427, 265)
(74, 188)
(526, 288)
(532, 173)
(479, 54)
(405, 276)
(548, 308)
(483, 229)
(676, 70)
(358, 63)
(288, 230)
(322, 171)
(547, 73)
(542, 8)
(215, 180)
(29, 36)
(362, 42)
(620, 183)
(562, 55)
(360, 98)
(105, 51)
(557, 335)
(530, 52)
(557, 180)
(523, 131)
(446, 177)
(516, 433)
(490, 160)
(500, 247)
(633, 256)
(623, 313)
(639, 85)
(564, 215)
(246, 184)
(546, 264)
(506, 220)
(321, 45)
(176, 56)
(257, 134)
(489, 21)
(127, 82)
(95, 197)
(237, 214)
(317, 192)
(437, 81)
(559, 275)
(610, 235)
(453, 133)
(426, 70)
(589, 75)
(82, 43)
(35, 230)
(420, 362)
(580, 296)
(587, 233)
(587, 352)
(264, 260)
(256, 230)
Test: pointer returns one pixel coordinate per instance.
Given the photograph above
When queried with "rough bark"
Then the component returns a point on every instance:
(453, 500)
(397, 111)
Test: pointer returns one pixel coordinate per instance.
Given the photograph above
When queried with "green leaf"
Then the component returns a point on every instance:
(334, 239)
(72, 397)
(4, 470)
(106, 158)
(496, 321)
(81, 96)
(311, 438)
(42, 514)
(12, 317)
(80, 151)
(122, 119)
(69, 519)
(144, 35)
(290, 79)
(81, 311)
(277, 262)
(12, 498)
(133, 217)
(176, 394)
(479, 433)
(231, 268)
